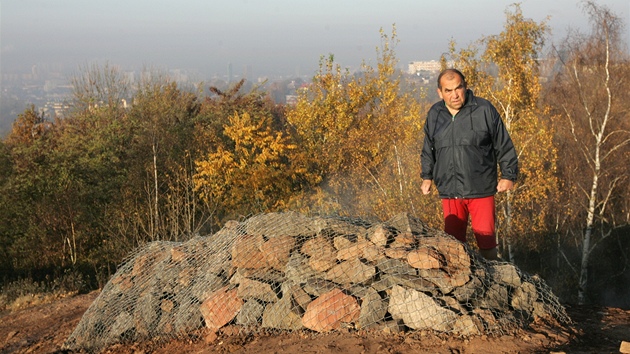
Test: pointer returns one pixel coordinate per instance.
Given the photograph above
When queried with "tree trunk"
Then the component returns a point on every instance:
(508, 225)
(588, 232)
(156, 210)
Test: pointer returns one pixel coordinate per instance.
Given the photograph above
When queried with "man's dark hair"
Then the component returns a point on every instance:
(450, 71)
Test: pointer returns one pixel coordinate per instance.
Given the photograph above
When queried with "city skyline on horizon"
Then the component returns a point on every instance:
(277, 37)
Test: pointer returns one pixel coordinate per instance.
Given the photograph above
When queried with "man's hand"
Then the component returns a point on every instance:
(504, 185)
(426, 186)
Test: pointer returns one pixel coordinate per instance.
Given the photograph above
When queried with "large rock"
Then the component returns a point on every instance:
(276, 251)
(322, 254)
(330, 311)
(253, 289)
(220, 308)
(250, 313)
(404, 222)
(281, 315)
(419, 311)
(351, 272)
(246, 252)
(373, 309)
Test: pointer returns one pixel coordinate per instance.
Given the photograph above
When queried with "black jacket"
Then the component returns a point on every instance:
(460, 154)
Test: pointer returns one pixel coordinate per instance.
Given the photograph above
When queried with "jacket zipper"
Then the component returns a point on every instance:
(454, 195)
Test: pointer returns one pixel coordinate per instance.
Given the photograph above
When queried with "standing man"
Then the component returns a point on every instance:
(464, 140)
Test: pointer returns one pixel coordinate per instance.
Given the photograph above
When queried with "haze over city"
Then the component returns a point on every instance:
(266, 38)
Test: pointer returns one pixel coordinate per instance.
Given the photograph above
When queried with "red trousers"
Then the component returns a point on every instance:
(482, 218)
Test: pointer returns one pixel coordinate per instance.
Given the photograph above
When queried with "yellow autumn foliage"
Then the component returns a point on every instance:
(361, 134)
(253, 173)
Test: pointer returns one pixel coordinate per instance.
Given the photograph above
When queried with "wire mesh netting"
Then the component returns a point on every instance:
(289, 272)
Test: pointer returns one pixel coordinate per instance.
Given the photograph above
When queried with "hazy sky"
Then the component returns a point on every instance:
(268, 36)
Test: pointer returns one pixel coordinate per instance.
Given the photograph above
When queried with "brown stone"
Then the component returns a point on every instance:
(321, 252)
(273, 225)
(452, 250)
(151, 255)
(316, 246)
(220, 308)
(423, 258)
(277, 251)
(397, 253)
(298, 269)
(351, 272)
(354, 250)
(254, 289)
(496, 298)
(246, 252)
(452, 303)
(123, 282)
(230, 330)
(454, 260)
(250, 313)
(266, 275)
(373, 253)
(322, 263)
(388, 281)
(300, 296)
(339, 227)
(330, 310)
(466, 325)
(165, 325)
(524, 297)
(445, 281)
(341, 242)
(486, 317)
(167, 305)
(404, 222)
(506, 273)
(379, 235)
(178, 254)
(403, 240)
(395, 266)
(211, 337)
(317, 287)
(124, 322)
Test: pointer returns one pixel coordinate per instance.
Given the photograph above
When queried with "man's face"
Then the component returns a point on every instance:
(453, 92)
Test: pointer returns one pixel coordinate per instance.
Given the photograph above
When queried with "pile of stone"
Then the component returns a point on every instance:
(288, 272)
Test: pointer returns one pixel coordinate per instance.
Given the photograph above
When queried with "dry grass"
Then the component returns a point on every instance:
(26, 292)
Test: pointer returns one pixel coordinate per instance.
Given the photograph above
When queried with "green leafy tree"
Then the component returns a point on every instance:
(65, 174)
(24, 183)
(162, 119)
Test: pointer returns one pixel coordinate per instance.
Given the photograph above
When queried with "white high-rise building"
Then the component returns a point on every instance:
(417, 66)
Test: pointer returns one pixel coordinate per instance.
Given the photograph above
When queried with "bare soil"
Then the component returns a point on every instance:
(44, 328)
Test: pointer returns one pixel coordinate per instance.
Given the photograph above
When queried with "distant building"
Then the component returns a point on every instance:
(419, 66)
(291, 100)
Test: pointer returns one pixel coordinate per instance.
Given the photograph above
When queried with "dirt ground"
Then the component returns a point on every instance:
(44, 328)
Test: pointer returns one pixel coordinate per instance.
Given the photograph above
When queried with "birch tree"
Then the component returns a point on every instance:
(162, 117)
(590, 95)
